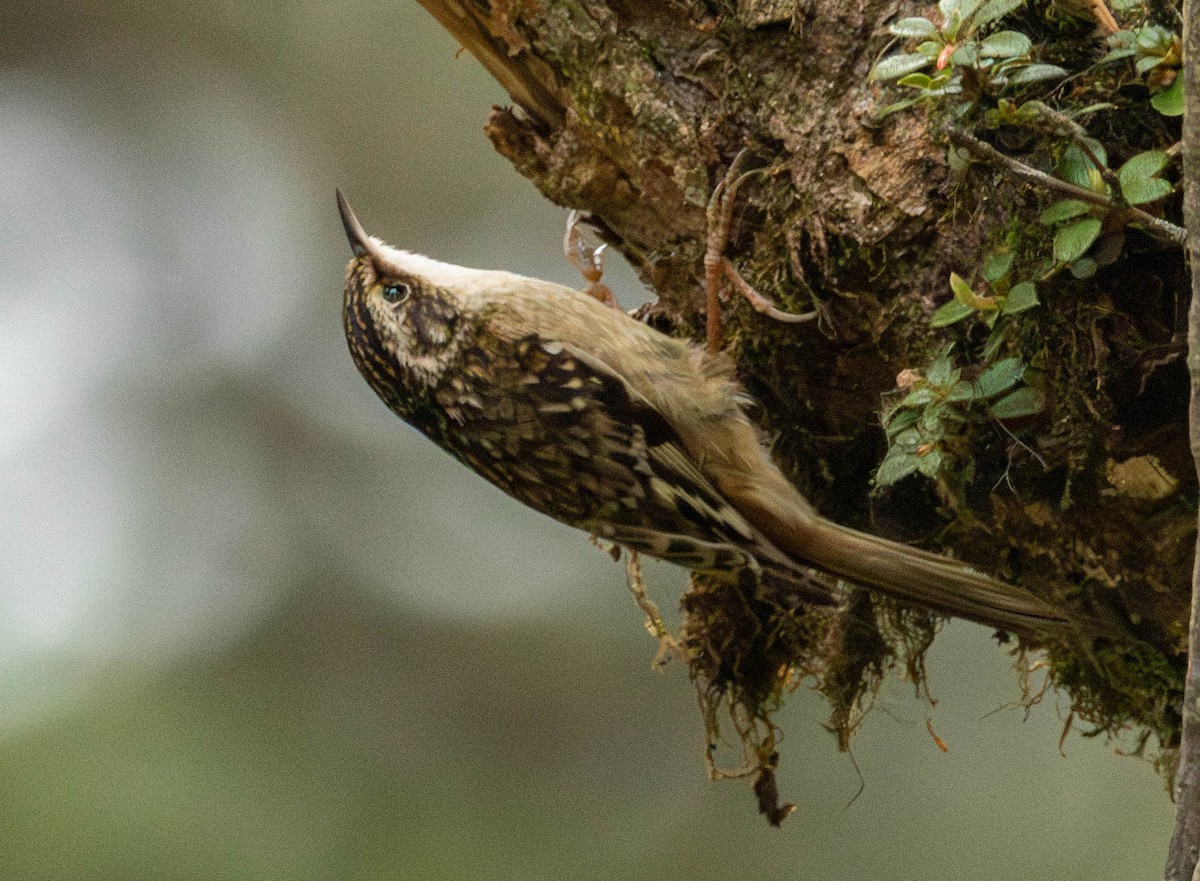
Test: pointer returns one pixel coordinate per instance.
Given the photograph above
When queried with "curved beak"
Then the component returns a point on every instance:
(360, 242)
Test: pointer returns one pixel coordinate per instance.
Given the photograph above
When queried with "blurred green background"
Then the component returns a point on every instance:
(253, 627)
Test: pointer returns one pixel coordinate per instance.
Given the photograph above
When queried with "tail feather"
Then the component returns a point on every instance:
(908, 574)
(924, 579)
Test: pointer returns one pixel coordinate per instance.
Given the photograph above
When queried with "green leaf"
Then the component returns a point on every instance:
(962, 391)
(1142, 190)
(900, 419)
(992, 10)
(918, 397)
(1137, 177)
(1073, 240)
(1005, 44)
(1025, 401)
(1169, 102)
(947, 8)
(930, 422)
(1064, 210)
(1084, 267)
(1153, 39)
(963, 292)
(950, 313)
(913, 27)
(1078, 168)
(1116, 55)
(954, 14)
(899, 105)
(1146, 164)
(996, 265)
(1000, 377)
(1122, 39)
(930, 463)
(916, 80)
(1021, 298)
(896, 467)
(898, 65)
(965, 55)
(1147, 63)
(958, 159)
(1035, 73)
(942, 373)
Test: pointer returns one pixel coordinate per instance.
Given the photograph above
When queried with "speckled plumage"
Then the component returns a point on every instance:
(601, 422)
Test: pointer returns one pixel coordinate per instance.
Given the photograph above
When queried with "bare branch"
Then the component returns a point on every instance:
(986, 152)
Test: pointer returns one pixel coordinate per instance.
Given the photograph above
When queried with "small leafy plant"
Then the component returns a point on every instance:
(1157, 55)
(1080, 223)
(964, 61)
(1002, 298)
(925, 428)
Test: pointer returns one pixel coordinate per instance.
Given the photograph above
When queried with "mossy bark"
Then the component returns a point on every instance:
(632, 112)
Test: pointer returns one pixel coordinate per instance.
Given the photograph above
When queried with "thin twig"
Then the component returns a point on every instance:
(988, 153)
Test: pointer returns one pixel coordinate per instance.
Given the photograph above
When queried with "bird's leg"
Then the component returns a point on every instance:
(717, 266)
(588, 260)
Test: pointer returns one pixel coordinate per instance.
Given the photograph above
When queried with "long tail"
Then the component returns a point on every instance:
(924, 579)
(786, 518)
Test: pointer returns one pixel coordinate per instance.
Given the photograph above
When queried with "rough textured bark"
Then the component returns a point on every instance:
(1185, 840)
(632, 111)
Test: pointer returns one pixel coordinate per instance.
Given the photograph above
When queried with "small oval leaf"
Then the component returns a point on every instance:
(1146, 164)
(996, 265)
(913, 27)
(1035, 73)
(895, 66)
(930, 463)
(916, 80)
(992, 10)
(1073, 240)
(963, 292)
(950, 313)
(1078, 168)
(1064, 209)
(1025, 401)
(1169, 102)
(895, 468)
(1021, 298)
(1143, 190)
(1000, 377)
(1005, 44)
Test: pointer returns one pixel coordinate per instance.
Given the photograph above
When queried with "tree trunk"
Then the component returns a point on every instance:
(633, 111)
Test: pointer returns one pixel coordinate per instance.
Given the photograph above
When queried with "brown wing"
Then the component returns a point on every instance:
(560, 431)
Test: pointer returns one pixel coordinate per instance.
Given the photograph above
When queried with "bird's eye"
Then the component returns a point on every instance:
(396, 293)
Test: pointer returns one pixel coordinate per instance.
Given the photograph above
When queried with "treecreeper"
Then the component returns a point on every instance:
(603, 423)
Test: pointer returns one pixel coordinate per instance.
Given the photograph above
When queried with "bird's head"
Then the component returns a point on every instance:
(405, 315)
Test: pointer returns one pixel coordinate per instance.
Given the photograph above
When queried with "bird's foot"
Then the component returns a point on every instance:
(717, 267)
(668, 645)
(588, 260)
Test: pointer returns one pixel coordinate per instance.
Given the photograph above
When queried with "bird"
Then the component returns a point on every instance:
(603, 423)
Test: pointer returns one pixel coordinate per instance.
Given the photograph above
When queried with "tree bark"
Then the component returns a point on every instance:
(1185, 840)
(632, 112)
